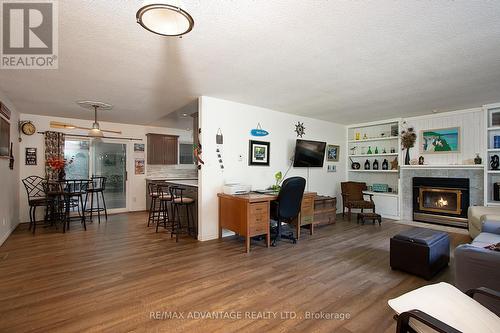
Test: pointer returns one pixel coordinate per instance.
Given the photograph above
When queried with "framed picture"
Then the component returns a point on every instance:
(332, 153)
(138, 147)
(30, 156)
(139, 166)
(443, 140)
(258, 153)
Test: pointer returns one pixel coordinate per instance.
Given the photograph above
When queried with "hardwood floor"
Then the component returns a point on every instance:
(111, 277)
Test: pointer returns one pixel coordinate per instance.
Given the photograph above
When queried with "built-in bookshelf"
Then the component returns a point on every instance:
(376, 141)
(492, 176)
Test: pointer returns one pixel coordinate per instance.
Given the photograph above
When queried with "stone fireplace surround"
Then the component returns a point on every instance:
(474, 174)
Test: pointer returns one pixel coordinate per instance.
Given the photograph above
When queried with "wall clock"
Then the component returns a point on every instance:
(28, 128)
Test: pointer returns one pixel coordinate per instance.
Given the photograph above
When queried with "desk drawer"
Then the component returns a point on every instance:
(258, 225)
(261, 208)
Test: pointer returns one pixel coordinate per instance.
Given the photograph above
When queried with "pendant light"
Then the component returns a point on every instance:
(164, 19)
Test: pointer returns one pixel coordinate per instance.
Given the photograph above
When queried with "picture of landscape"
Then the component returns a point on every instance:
(445, 140)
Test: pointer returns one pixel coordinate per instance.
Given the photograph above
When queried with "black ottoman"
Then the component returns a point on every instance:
(419, 251)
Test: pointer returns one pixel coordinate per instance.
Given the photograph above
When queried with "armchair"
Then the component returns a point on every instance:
(353, 197)
(443, 308)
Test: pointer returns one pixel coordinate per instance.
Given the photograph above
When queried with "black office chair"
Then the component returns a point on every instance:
(287, 206)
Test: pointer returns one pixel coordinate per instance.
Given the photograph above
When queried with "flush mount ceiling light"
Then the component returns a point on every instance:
(164, 19)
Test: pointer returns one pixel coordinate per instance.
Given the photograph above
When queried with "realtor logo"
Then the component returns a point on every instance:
(29, 34)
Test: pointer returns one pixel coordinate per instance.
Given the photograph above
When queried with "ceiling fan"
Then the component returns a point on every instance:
(95, 131)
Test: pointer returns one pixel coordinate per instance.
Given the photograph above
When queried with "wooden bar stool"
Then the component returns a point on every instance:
(164, 197)
(178, 202)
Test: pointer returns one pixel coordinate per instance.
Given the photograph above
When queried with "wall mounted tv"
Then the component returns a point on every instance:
(309, 153)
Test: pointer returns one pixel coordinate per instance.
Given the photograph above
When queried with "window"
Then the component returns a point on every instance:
(186, 153)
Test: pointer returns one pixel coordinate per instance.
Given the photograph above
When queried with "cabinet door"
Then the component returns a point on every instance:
(162, 149)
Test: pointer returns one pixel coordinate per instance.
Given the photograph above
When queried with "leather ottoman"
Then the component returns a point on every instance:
(420, 251)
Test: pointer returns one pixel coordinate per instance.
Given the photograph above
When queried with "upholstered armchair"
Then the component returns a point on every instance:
(354, 198)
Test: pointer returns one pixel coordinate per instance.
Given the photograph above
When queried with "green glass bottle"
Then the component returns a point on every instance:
(369, 150)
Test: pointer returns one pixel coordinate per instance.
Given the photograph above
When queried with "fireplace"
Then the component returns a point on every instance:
(441, 200)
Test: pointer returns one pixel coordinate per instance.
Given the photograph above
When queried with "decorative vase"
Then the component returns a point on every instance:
(407, 157)
(376, 150)
(367, 165)
(375, 165)
(369, 150)
(385, 164)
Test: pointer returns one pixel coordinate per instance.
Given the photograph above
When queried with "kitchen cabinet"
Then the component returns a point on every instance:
(162, 149)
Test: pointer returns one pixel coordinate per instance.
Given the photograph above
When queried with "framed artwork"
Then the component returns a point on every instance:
(332, 153)
(258, 153)
(139, 147)
(139, 166)
(442, 140)
(30, 156)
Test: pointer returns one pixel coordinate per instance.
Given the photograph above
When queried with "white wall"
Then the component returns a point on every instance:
(236, 120)
(472, 126)
(136, 195)
(9, 179)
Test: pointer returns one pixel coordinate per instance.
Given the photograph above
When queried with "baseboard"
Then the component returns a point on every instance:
(7, 234)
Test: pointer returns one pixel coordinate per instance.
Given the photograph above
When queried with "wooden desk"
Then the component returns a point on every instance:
(248, 215)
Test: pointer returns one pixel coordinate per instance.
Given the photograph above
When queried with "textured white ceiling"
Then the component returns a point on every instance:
(344, 61)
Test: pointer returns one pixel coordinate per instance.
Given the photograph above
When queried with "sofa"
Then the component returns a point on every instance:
(478, 214)
(476, 266)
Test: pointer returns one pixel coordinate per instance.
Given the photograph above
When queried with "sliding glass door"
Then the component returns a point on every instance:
(100, 158)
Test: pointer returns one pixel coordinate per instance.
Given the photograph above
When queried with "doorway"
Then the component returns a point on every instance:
(100, 158)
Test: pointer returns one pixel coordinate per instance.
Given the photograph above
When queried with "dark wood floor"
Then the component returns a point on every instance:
(111, 277)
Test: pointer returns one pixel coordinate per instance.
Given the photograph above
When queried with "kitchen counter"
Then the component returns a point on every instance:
(184, 182)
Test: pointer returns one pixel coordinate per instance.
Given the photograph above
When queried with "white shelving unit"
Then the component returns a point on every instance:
(493, 129)
(368, 136)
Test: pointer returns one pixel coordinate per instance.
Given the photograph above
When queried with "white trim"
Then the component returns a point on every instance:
(7, 234)
(444, 166)
(375, 123)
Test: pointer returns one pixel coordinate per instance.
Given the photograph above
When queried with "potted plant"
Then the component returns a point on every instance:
(408, 138)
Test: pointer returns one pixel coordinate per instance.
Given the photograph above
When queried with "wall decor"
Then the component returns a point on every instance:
(27, 127)
(394, 164)
(139, 147)
(300, 129)
(443, 140)
(30, 156)
(11, 158)
(494, 162)
(421, 160)
(4, 137)
(385, 164)
(258, 131)
(139, 166)
(259, 153)
(408, 138)
(375, 165)
(219, 139)
(332, 153)
(367, 165)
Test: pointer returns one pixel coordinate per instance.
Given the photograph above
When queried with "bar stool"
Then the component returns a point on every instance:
(180, 201)
(164, 197)
(96, 187)
(154, 209)
(75, 190)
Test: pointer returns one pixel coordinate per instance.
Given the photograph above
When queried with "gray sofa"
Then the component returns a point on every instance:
(476, 266)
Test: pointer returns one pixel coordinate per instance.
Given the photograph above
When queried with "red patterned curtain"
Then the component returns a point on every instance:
(54, 149)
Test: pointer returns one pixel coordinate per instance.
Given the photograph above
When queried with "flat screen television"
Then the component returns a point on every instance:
(309, 153)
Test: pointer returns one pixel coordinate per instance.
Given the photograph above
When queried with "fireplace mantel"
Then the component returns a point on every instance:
(449, 166)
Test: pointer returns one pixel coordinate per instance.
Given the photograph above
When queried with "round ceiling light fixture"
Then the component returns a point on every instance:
(165, 20)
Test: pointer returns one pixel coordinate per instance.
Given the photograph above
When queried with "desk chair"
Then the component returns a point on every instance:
(287, 206)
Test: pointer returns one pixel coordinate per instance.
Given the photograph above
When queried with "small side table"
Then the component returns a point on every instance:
(369, 216)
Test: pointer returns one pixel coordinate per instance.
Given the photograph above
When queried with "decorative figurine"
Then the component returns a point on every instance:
(394, 164)
(375, 165)
(369, 152)
(393, 150)
(367, 165)
(358, 136)
(494, 162)
(385, 165)
(421, 160)
(365, 137)
(478, 159)
(384, 151)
